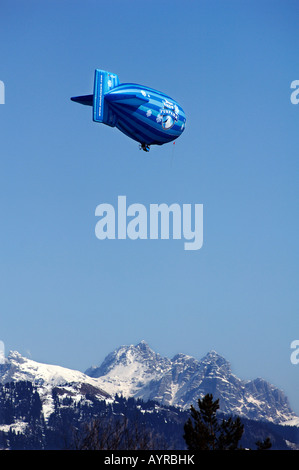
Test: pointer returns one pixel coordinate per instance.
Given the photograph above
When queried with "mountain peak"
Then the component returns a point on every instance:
(143, 346)
(215, 360)
(142, 342)
(213, 355)
(137, 371)
(128, 365)
(15, 356)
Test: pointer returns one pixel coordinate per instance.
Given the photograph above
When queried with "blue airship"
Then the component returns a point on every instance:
(148, 116)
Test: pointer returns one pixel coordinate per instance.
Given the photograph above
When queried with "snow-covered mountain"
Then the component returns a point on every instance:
(139, 372)
(41, 405)
(46, 377)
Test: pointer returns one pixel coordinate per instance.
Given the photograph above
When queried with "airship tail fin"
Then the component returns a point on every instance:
(86, 99)
(103, 83)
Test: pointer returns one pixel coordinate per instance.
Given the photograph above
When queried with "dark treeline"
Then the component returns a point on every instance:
(98, 424)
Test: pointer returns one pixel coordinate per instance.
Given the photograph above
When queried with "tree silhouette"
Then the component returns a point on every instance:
(203, 431)
(116, 434)
(264, 445)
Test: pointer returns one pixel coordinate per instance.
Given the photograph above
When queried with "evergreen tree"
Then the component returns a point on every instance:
(264, 445)
(203, 431)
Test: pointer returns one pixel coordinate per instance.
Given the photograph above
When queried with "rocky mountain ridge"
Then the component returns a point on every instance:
(137, 371)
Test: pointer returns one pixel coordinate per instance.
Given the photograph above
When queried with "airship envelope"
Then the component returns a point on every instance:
(148, 116)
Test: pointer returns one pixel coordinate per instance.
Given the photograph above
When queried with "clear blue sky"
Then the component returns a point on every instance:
(68, 298)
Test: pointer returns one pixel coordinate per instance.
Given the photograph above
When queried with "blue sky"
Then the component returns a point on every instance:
(68, 298)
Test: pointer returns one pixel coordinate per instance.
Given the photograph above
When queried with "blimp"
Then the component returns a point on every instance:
(147, 116)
